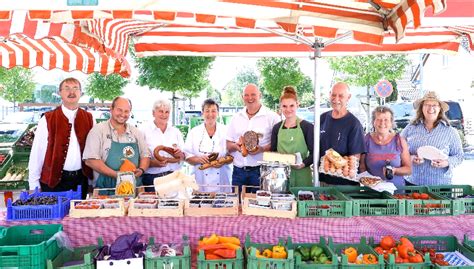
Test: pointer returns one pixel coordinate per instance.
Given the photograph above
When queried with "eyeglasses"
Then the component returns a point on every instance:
(73, 89)
(430, 106)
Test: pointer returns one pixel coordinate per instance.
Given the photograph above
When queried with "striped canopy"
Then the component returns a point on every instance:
(220, 27)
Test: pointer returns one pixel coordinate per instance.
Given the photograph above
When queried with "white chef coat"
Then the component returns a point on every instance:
(155, 137)
(198, 143)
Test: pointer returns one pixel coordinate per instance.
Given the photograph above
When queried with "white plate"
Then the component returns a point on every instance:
(431, 153)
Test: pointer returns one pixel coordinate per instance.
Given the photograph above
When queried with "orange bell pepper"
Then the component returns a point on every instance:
(351, 254)
(225, 253)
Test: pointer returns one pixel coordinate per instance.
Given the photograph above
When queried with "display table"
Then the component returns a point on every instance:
(261, 229)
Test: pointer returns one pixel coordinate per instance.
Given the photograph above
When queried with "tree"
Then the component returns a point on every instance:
(17, 85)
(175, 74)
(233, 90)
(305, 92)
(277, 73)
(48, 94)
(366, 71)
(105, 87)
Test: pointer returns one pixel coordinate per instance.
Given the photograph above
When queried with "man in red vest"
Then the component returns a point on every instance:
(56, 155)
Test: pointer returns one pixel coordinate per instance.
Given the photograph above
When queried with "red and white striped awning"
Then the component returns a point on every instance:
(326, 17)
(52, 53)
(245, 42)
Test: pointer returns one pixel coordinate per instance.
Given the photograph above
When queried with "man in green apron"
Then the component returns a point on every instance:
(112, 141)
(294, 135)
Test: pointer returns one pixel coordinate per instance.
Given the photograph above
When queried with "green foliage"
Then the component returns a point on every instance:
(277, 73)
(368, 70)
(305, 92)
(105, 87)
(48, 94)
(232, 95)
(16, 84)
(183, 74)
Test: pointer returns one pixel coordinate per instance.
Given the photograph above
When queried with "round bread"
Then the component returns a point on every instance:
(250, 140)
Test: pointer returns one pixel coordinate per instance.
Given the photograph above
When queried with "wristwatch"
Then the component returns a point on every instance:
(141, 169)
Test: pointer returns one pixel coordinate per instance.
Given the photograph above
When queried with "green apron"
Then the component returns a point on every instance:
(117, 152)
(291, 141)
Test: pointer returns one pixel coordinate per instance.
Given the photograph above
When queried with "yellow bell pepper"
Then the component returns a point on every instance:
(279, 252)
(267, 253)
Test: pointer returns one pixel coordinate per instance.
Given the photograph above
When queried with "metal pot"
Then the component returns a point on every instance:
(274, 177)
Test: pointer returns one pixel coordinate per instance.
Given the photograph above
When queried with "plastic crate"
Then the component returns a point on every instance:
(237, 263)
(438, 206)
(342, 207)
(82, 254)
(469, 244)
(457, 192)
(442, 244)
(25, 148)
(42, 212)
(362, 248)
(253, 262)
(29, 246)
(6, 163)
(367, 202)
(299, 264)
(176, 262)
(13, 184)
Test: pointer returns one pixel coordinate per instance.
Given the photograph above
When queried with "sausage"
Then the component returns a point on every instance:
(243, 148)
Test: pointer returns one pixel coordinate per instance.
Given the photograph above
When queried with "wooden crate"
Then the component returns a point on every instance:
(156, 212)
(265, 212)
(100, 212)
(190, 210)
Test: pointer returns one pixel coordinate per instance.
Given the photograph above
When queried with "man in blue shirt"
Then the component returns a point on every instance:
(341, 131)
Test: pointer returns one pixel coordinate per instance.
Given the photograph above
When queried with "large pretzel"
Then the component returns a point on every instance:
(169, 150)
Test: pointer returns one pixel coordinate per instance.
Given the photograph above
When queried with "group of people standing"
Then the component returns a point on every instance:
(69, 150)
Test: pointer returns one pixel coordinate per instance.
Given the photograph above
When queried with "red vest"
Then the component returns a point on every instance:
(59, 132)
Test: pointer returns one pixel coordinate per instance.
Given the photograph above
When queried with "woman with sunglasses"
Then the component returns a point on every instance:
(203, 143)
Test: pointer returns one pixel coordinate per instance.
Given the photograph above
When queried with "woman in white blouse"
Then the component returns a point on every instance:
(204, 139)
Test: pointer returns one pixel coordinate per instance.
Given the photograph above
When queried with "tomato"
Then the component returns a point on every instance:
(415, 195)
(424, 196)
(379, 250)
(417, 258)
(387, 242)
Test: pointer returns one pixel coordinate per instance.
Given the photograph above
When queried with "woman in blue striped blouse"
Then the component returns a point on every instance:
(431, 128)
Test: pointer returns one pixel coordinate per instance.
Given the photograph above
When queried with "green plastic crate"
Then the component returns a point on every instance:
(341, 207)
(390, 262)
(253, 262)
(237, 263)
(6, 163)
(176, 262)
(82, 254)
(28, 246)
(26, 148)
(17, 158)
(443, 244)
(299, 264)
(469, 244)
(457, 192)
(439, 206)
(367, 202)
(362, 248)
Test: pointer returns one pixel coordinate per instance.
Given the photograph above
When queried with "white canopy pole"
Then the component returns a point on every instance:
(317, 46)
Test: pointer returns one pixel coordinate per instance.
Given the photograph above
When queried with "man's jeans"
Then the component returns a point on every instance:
(246, 176)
